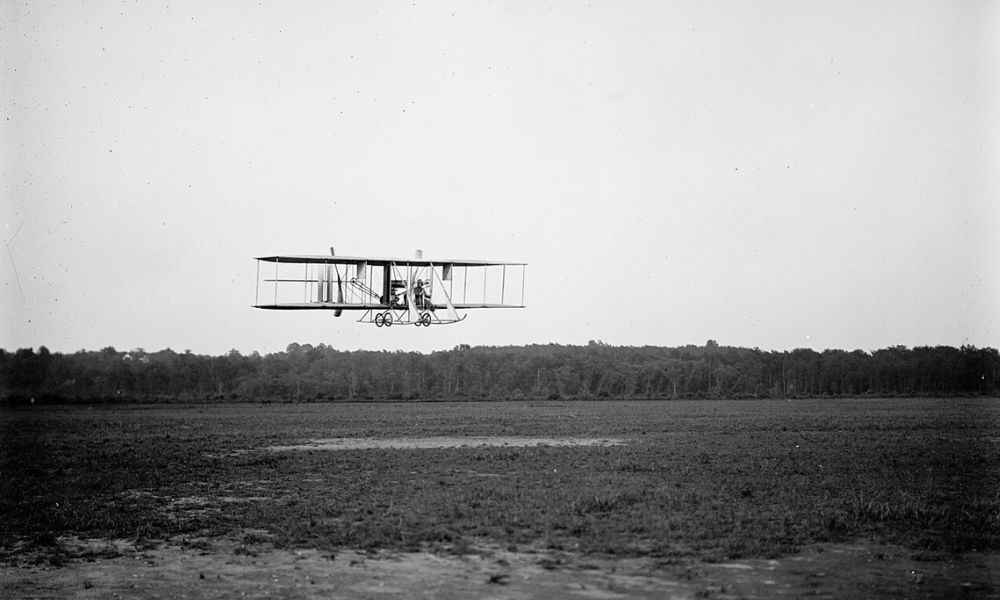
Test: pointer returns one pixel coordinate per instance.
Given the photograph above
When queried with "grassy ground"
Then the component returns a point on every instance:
(704, 479)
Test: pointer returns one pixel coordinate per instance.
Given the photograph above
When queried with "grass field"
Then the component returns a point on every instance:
(713, 480)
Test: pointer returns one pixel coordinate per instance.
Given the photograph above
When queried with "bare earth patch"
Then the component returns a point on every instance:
(411, 443)
(210, 569)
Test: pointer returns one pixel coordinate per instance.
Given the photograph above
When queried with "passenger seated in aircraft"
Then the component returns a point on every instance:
(398, 287)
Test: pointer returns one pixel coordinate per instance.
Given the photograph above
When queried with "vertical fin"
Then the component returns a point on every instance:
(452, 313)
(411, 310)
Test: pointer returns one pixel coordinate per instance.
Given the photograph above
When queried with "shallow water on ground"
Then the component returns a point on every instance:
(412, 443)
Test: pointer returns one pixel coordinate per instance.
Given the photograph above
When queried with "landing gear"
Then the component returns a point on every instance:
(387, 318)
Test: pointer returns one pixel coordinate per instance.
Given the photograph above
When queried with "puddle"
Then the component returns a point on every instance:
(415, 443)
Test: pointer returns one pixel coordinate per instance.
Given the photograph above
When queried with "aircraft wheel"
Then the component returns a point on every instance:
(388, 319)
(425, 319)
(379, 320)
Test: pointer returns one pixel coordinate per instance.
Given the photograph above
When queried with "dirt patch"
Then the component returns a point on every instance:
(412, 443)
(208, 569)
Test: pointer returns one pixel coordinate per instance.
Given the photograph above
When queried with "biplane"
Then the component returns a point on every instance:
(389, 291)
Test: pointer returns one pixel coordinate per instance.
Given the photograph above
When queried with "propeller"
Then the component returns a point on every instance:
(340, 292)
(340, 286)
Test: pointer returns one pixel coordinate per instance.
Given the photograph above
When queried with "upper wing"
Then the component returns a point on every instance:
(380, 262)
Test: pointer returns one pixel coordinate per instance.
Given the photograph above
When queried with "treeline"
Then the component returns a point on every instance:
(320, 373)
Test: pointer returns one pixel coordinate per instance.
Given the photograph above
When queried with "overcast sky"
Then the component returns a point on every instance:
(772, 174)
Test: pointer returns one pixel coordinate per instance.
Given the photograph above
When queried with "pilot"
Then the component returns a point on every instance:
(419, 294)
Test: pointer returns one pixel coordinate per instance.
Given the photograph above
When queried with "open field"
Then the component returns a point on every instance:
(898, 498)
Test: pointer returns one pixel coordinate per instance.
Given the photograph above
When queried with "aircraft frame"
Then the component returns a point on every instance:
(391, 291)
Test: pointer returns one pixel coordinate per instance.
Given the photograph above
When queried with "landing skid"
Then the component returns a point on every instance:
(390, 317)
